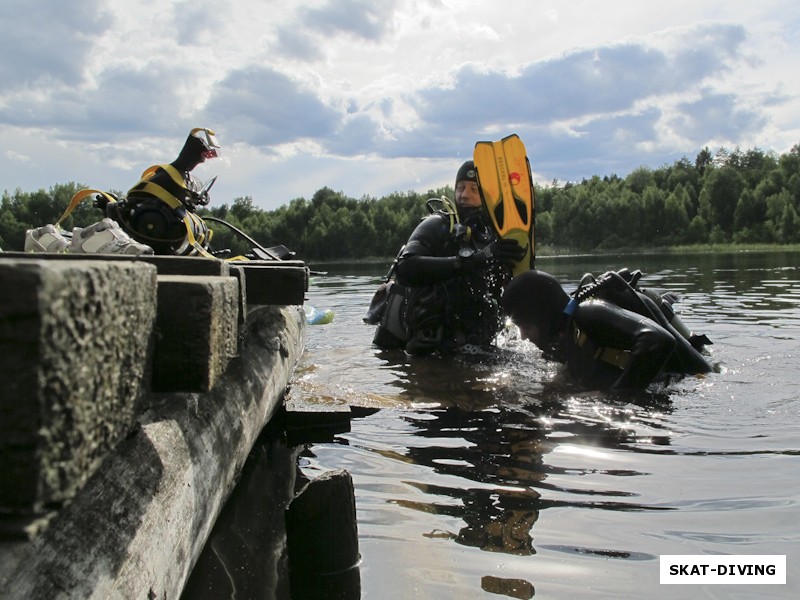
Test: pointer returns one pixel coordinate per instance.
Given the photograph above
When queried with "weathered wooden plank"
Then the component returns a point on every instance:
(316, 421)
(278, 282)
(166, 265)
(197, 330)
(75, 349)
(281, 282)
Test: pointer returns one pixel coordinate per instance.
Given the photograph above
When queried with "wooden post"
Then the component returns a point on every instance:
(322, 539)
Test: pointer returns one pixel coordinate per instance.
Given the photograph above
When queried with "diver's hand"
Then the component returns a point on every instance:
(508, 252)
(505, 251)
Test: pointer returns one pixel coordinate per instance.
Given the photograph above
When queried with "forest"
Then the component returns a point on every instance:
(727, 197)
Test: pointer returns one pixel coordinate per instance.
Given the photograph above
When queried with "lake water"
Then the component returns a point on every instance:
(488, 477)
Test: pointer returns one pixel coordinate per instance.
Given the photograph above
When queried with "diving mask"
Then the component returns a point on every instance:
(209, 140)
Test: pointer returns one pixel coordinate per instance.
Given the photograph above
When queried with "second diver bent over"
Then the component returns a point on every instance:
(610, 334)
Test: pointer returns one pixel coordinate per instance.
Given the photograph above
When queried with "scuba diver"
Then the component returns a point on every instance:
(609, 333)
(443, 290)
(160, 209)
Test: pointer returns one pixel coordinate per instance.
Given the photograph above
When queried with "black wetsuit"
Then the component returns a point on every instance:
(620, 339)
(633, 351)
(448, 306)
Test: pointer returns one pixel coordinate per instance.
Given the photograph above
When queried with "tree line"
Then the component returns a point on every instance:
(731, 196)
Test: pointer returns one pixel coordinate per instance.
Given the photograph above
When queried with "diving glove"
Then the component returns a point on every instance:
(505, 251)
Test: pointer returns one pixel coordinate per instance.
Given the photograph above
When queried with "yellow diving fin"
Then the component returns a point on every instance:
(504, 177)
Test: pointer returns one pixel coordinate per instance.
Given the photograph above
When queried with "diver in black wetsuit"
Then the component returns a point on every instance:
(609, 334)
(451, 272)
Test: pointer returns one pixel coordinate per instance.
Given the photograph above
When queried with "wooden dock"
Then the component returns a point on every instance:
(133, 391)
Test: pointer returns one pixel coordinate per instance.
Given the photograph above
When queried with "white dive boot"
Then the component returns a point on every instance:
(48, 238)
(105, 237)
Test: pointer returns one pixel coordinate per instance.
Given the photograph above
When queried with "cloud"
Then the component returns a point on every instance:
(126, 102)
(717, 116)
(591, 81)
(600, 106)
(599, 95)
(263, 107)
(136, 101)
(367, 19)
(297, 44)
(606, 107)
(46, 42)
(17, 157)
(309, 31)
(196, 23)
(371, 92)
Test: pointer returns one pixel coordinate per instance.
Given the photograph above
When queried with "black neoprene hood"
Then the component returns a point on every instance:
(534, 298)
(467, 172)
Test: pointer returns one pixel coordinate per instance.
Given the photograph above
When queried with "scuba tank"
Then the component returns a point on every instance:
(160, 208)
(163, 216)
(389, 305)
(622, 286)
(387, 311)
(664, 303)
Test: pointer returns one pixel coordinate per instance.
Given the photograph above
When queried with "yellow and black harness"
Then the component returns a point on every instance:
(612, 356)
(198, 234)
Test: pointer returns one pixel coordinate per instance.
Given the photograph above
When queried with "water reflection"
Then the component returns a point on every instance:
(482, 428)
(487, 462)
(498, 516)
(513, 588)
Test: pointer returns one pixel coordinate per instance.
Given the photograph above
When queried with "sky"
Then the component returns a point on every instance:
(370, 97)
